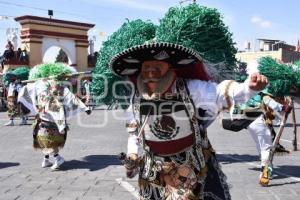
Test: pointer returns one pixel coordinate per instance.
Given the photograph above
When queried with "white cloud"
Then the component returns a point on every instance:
(256, 19)
(261, 22)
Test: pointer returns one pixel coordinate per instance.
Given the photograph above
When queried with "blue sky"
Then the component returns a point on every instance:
(246, 19)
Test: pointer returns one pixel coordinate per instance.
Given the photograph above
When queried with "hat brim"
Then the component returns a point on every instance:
(129, 62)
(11, 76)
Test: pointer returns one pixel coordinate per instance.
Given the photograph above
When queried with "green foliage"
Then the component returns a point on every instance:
(240, 72)
(131, 33)
(282, 77)
(199, 28)
(48, 69)
(62, 57)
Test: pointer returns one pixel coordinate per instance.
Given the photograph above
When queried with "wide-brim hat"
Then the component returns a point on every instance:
(50, 69)
(129, 61)
(21, 73)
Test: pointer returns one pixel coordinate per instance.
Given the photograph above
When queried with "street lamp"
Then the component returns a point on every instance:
(50, 13)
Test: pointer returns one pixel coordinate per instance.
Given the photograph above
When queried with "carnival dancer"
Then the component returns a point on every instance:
(283, 82)
(263, 133)
(86, 91)
(53, 103)
(260, 111)
(172, 104)
(179, 162)
(13, 81)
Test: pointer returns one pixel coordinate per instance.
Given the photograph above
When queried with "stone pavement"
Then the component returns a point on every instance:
(93, 171)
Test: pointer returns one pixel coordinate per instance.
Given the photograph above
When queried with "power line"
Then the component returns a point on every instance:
(42, 9)
(6, 16)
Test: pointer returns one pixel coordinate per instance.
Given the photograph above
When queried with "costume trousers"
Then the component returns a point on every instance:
(261, 135)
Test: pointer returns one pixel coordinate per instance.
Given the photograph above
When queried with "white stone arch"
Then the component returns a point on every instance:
(68, 46)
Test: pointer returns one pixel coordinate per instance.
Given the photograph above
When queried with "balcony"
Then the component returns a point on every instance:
(17, 59)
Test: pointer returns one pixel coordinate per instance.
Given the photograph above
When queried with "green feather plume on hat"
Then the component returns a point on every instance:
(49, 69)
(201, 29)
(21, 72)
(282, 77)
(131, 33)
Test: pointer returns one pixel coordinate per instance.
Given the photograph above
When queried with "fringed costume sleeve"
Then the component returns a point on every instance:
(214, 97)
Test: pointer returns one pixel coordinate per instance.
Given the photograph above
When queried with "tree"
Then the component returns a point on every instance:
(62, 57)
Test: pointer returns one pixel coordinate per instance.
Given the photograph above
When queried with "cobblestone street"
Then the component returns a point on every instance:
(92, 169)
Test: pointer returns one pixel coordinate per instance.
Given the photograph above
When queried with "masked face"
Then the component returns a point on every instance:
(153, 71)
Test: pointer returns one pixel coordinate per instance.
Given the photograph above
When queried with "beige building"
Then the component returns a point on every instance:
(38, 34)
(273, 48)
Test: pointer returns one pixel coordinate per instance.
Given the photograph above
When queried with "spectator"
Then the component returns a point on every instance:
(90, 59)
(2, 59)
(24, 56)
(19, 53)
(9, 52)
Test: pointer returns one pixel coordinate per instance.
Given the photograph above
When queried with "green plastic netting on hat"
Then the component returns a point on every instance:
(297, 63)
(199, 28)
(282, 77)
(131, 33)
(22, 72)
(49, 69)
(296, 66)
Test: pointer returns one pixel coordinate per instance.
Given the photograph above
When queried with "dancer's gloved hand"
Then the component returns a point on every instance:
(287, 108)
(258, 82)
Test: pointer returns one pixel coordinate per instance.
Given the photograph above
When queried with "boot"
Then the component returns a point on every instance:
(23, 121)
(46, 163)
(264, 177)
(10, 123)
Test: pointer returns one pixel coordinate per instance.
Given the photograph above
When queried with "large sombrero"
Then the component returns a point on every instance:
(129, 62)
(284, 79)
(21, 73)
(184, 36)
(50, 69)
